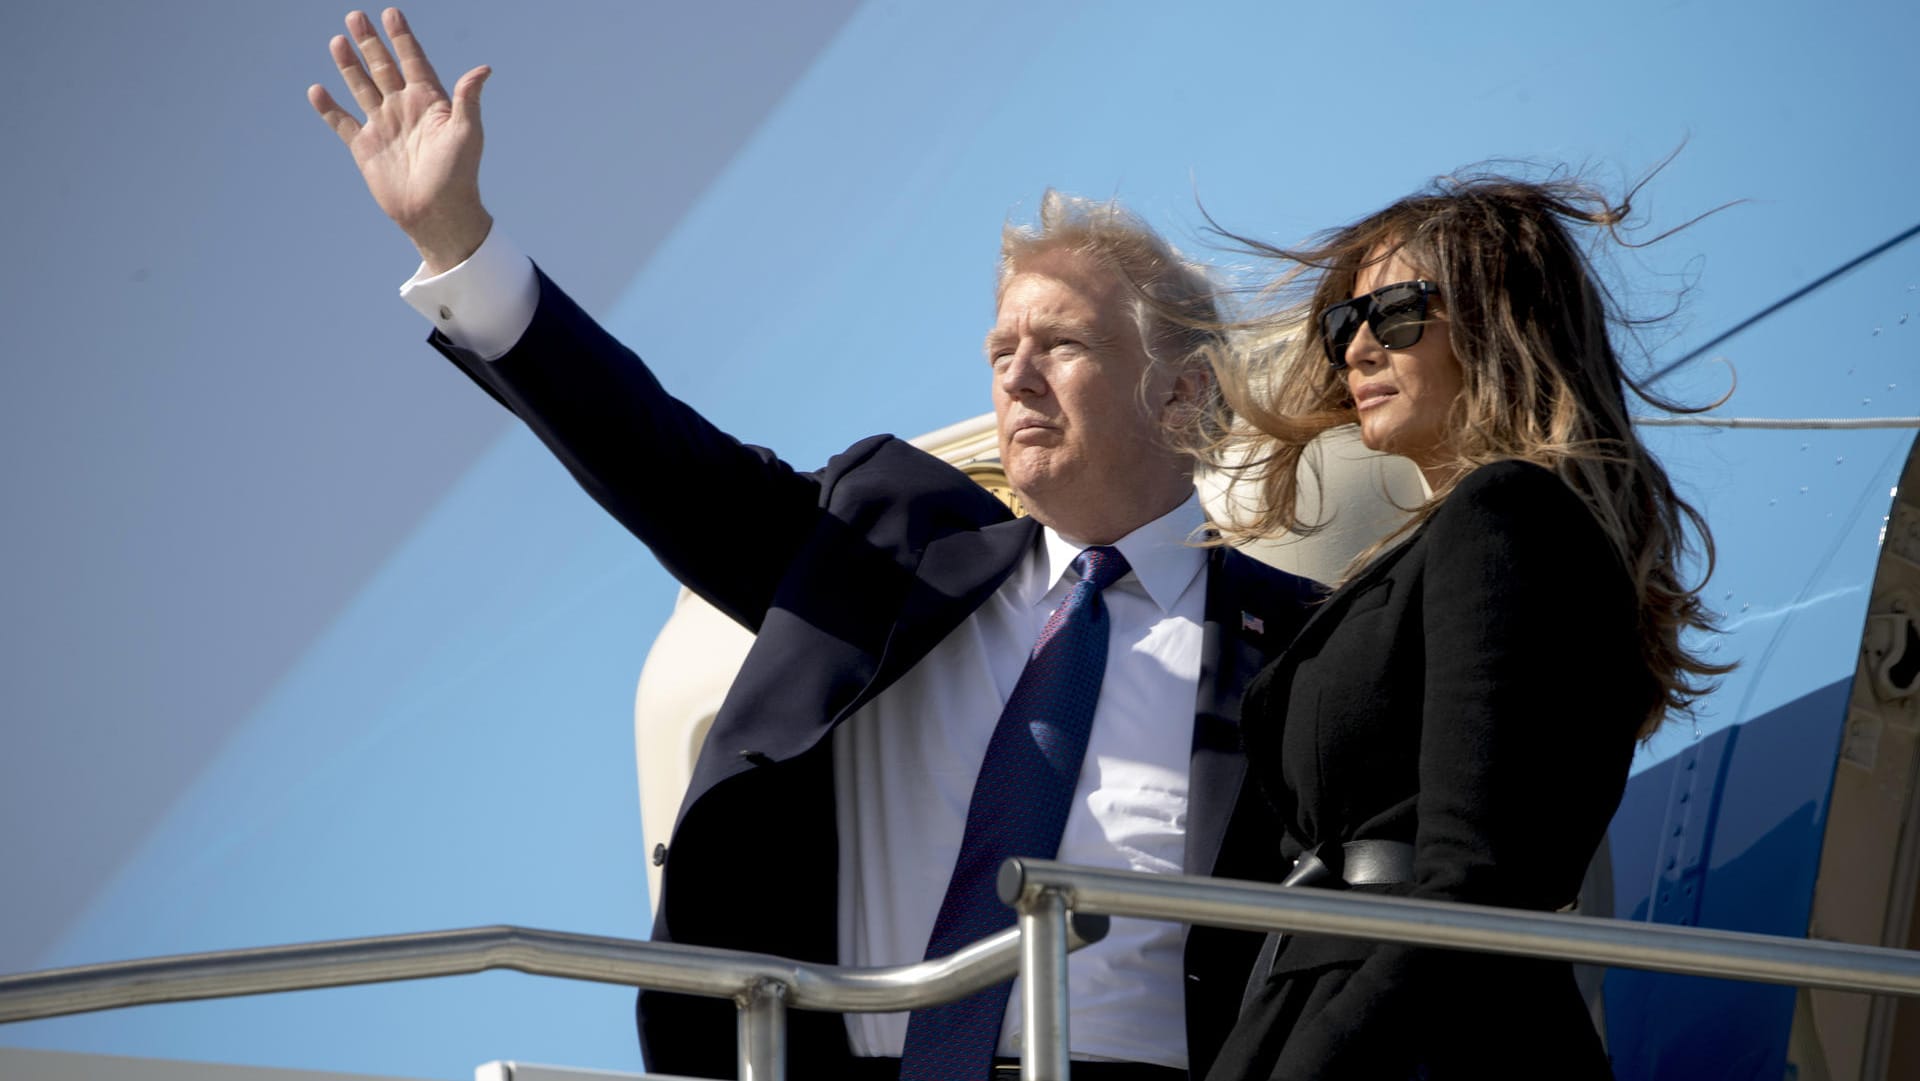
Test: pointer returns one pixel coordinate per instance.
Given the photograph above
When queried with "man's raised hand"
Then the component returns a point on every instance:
(418, 149)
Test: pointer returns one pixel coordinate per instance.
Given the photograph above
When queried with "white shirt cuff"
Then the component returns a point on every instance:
(483, 305)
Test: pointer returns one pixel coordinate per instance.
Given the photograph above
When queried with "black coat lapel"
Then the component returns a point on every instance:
(1325, 616)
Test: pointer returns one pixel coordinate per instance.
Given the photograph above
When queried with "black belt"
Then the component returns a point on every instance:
(1361, 863)
(888, 1069)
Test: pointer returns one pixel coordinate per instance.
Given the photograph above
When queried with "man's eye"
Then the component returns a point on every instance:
(1068, 343)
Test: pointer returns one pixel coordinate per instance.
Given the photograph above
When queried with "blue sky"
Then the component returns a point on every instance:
(309, 641)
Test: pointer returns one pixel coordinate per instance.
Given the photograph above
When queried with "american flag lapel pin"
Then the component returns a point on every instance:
(1251, 622)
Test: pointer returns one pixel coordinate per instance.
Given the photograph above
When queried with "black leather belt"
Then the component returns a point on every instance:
(1357, 863)
(888, 1069)
(1361, 863)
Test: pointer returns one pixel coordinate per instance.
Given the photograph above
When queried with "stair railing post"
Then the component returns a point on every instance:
(1043, 986)
(763, 1032)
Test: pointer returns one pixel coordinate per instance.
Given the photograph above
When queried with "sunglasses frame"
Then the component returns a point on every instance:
(1368, 306)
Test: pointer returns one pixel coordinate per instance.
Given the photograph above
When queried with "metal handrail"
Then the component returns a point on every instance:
(1047, 893)
(762, 986)
(1061, 907)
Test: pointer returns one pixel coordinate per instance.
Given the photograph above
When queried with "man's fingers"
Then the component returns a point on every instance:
(380, 66)
(414, 67)
(466, 95)
(358, 84)
(341, 121)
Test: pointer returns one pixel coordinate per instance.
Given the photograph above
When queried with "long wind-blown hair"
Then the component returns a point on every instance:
(1528, 321)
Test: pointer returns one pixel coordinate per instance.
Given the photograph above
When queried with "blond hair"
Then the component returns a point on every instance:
(1173, 302)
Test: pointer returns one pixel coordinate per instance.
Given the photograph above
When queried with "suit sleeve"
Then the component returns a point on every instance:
(681, 485)
(1533, 691)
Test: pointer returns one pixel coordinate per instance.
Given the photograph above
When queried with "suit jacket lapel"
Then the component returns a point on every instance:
(1247, 622)
(955, 576)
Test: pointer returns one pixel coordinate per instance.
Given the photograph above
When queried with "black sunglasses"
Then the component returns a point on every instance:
(1397, 314)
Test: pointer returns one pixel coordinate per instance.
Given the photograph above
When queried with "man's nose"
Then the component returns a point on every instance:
(1019, 375)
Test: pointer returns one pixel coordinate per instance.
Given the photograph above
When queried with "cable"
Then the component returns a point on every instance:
(1779, 423)
(1823, 279)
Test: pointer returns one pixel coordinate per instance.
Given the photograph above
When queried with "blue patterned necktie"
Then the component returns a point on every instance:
(1020, 804)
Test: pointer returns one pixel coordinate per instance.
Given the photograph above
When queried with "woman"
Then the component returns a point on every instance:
(1457, 721)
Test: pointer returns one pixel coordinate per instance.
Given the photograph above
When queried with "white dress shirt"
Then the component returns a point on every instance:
(904, 768)
(905, 765)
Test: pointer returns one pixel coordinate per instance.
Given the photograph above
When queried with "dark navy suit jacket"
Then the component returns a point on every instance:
(848, 576)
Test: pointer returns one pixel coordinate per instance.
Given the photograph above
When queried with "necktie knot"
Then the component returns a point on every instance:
(1101, 566)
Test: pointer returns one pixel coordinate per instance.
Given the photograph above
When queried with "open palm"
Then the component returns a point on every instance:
(418, 148)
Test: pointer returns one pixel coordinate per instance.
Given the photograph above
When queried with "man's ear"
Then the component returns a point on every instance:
(1187, 393)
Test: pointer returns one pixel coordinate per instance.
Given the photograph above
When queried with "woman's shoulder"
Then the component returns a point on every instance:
(1513, 489)
(1516, 503)
(1511, 481)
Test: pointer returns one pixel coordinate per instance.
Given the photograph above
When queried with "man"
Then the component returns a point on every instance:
(865, 771)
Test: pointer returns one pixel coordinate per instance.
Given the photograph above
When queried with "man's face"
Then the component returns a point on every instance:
(1080, 442)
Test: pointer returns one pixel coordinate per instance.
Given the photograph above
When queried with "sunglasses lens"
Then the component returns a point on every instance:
(1338, 325)
(1399, 316)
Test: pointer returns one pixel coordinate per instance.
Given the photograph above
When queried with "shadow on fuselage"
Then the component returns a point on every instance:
(1726, 834)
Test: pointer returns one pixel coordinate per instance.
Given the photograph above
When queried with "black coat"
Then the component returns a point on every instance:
(848, 576)
(1475, 692)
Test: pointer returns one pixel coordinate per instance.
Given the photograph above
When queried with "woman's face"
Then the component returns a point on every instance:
(1404, 396)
